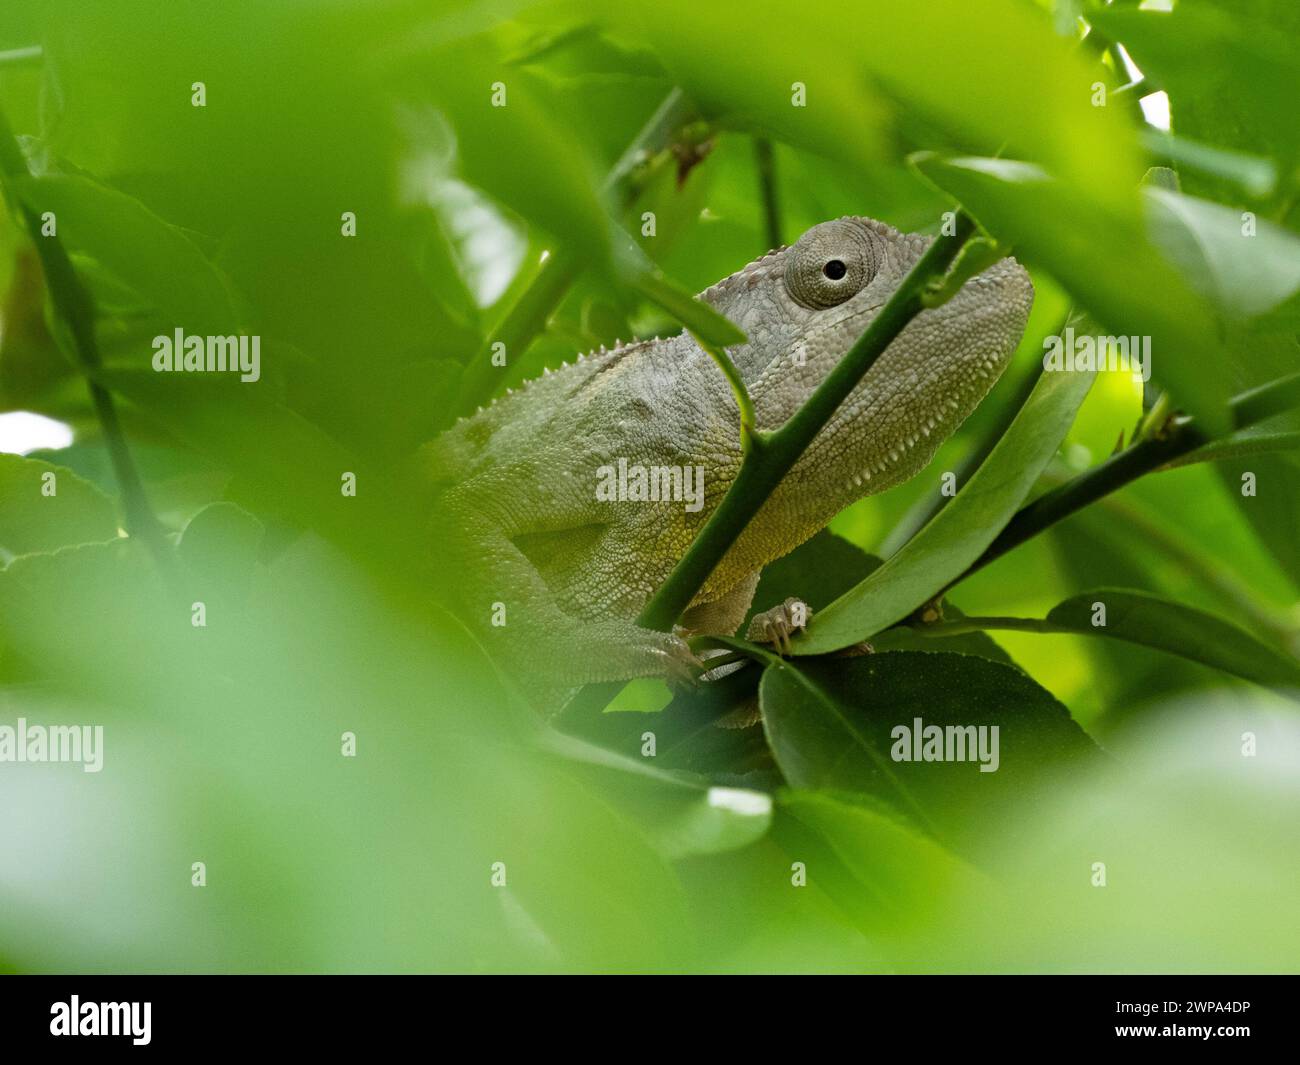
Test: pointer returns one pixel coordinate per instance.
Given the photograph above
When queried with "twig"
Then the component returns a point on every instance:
(529, 314)
(766, 163)
(74, 305)
(774, 453)
(1119, 470)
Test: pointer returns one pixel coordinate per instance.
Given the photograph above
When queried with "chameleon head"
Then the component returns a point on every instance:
(804, 306)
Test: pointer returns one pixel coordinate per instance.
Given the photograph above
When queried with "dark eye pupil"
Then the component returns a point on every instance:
(835, 269)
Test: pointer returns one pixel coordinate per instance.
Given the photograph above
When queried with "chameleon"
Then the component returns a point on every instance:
(543, 535)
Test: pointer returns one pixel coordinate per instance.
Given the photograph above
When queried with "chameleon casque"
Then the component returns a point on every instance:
(518, 480)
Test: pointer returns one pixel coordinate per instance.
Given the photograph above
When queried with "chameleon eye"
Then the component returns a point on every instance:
(829, 265)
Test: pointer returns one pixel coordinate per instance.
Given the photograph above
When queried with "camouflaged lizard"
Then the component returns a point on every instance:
(532, 520)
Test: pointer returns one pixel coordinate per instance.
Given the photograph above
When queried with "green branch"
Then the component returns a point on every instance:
(766, 164)
(1145, 456)
(75, 308)
(971, 623)
(773, 454)
(528, 316)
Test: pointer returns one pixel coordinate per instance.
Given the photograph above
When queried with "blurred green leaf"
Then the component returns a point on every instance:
(721, 819)
(982, 74)
(219, 547)
(44, 507)
(1235, 100)
(158, 260)
(1244, 274)
(1137, 293)
(485, 108)
(900, 878)
(1274, 511)
(1254, 174)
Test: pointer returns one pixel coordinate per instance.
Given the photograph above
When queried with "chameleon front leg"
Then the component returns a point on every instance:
(518, 611)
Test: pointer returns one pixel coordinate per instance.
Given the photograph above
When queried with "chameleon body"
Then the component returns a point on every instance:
(528, 527)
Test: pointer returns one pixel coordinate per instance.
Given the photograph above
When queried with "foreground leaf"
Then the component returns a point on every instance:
(883, 874)
(154, 257)
(1243, 275)
(31, 519)
(679, 811)
(1137, 294)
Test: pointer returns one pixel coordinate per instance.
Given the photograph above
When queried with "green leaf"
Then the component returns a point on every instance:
(95, 611)
(155, 258)
(1253, 440)
(823, 568)
(1076, 240)
(220, 549)
(1245, 276)
(31, 520)
(721, 819)
(1239, 100)
(699, 318)
(1254, 174)
(945, 71)
(523, 154)
(1146, 619)
(957, 535)
(833, 724)
(1274, 512)
(681, 812)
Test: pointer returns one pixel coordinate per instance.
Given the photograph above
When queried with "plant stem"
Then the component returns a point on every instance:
(773, 454)
(766, 164)
(528, 316)
(744, 404)
(74, 305)
(1127, 466)
(961, 626)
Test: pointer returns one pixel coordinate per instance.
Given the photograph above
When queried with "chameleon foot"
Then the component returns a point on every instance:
(775, 626)
(681, 665)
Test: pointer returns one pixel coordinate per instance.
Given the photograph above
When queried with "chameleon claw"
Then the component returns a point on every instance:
(682, 666)
(777, 625)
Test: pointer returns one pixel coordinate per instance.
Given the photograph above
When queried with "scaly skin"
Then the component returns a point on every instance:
(518, 479)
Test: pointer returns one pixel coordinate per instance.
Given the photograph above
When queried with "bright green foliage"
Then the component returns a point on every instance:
(349, 193)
